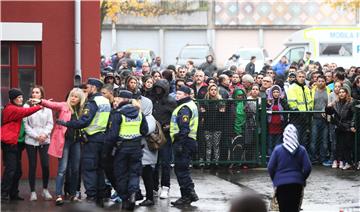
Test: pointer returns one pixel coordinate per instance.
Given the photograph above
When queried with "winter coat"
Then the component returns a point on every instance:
(149, 157)
(344, 116)
(58, 136)
(240, 115)
(286, 168)
(12, 116)
(213, 118)
(289, 162)
(164, 104)
(38, 123)
(200, 94)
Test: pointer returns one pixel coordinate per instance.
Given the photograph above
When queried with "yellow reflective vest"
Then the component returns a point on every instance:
(299, 98)
(194, 120)
(130, 128)
(100, 120)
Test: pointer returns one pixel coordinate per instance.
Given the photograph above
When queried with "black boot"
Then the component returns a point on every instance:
(193, 196)
(182, 201)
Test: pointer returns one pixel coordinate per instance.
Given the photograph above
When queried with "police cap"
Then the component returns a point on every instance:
(124, 94)
(95, 82)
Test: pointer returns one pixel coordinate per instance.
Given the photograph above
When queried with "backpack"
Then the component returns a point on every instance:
(156, 139)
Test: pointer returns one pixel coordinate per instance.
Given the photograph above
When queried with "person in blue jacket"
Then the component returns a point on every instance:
(127, 126)
(289, 167)
(93, 121)
(281, 67)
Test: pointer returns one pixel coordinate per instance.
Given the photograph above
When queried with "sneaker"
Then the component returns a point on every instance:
(346, 167)
(181, 201)
(75, 199)
(33, 196)
(59, 200)
(327, 163)
(78, 194)
(147, 202)
(46, 194)
(334, 165)
(164, 192)
(341, 165)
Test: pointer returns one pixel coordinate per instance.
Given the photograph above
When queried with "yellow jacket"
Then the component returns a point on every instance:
(299, 98)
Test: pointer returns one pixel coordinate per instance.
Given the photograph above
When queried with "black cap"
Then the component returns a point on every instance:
(14, 92)
(95, 82)
(292, 74)
(185, 89)
(125, 94)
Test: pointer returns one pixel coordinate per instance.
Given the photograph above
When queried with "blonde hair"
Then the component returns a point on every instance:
(207, 95)
(79, 93)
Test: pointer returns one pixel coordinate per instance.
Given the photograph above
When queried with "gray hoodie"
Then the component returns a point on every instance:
(149, 157)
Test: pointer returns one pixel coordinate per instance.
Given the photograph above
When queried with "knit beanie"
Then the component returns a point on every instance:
(14, 92)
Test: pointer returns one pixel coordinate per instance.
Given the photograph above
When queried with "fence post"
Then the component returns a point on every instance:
(357, 133)
(263, 127)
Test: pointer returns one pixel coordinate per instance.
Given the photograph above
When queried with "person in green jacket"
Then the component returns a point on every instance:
(240, 116)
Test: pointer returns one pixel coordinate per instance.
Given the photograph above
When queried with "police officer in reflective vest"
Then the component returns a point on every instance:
(127, 126)
(183, 129)
(93, 122)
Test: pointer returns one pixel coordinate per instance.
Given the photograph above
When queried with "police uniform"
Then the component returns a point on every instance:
(93, 122)
(126, 127)
(183, 130)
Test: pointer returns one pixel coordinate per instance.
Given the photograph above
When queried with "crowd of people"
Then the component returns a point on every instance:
(132, 94)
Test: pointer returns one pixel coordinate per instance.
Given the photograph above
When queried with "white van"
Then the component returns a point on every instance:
(340, 45)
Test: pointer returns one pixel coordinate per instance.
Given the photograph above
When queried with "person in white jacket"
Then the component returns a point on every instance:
(38, 127)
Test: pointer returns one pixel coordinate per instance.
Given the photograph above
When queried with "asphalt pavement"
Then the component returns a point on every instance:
(327, 190)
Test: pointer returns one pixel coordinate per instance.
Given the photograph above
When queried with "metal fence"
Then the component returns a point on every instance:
(242, 132)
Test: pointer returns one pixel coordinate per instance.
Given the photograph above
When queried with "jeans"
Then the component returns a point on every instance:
(44, 159)
(332, 138)
(164, 161)
(70, 161)
(319, 139)
(273, 140)
(12, 172)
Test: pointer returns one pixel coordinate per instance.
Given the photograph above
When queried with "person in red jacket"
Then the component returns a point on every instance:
(12, 116)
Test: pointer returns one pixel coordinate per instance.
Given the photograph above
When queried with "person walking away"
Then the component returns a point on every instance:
(11, 126)
(93, 121)
(289, 167)
(38, 127)
(183, 130)
(250, 67)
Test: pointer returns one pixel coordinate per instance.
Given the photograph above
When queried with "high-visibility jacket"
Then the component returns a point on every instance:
(193, 124)
(130, 128)
(100, 120)
(299, 97)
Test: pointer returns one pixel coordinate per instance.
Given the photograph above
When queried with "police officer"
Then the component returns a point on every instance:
(127, 126)
(183, 130)
(93, 121)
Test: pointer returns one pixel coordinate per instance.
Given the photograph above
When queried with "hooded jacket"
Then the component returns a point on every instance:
(289, 162)
(12, 116)
(240, 115)
(163, 103)
(149, 157)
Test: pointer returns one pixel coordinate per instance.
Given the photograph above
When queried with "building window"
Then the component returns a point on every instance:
(20, 67)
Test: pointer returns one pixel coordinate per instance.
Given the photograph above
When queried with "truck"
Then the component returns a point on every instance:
(340, 45)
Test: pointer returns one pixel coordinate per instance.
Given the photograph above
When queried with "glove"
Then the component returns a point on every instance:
(61, 122)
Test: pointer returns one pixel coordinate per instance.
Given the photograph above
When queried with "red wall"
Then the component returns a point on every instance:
(58, 44)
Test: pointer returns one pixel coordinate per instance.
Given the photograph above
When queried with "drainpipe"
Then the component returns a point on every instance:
(77, 71)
